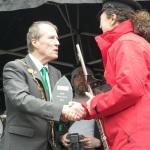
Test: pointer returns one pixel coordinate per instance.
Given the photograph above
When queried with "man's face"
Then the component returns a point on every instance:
(80, 84)
(105, 23)
(47, 44)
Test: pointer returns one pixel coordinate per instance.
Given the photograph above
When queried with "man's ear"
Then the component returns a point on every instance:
(34, 43)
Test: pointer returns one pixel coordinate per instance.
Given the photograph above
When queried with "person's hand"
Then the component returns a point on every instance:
(90, 142)
(74, 111)
(65, 141)
(89, 101)
(79, 113)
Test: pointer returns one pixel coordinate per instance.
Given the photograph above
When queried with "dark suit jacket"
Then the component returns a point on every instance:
(27, 126)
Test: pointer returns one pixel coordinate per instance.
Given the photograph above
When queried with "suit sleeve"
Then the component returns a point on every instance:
(17, 92)
(128, 63)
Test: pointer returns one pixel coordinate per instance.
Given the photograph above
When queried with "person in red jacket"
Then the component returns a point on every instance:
(125, 48)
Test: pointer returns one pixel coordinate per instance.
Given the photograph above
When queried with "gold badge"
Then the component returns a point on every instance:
(80, 71)
(30, 70)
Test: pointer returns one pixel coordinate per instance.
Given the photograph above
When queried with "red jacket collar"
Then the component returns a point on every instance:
(105, 40)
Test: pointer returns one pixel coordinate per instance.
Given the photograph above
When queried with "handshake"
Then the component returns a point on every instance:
(74, 111)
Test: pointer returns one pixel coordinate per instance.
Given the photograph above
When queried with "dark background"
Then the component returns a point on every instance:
(81, 22)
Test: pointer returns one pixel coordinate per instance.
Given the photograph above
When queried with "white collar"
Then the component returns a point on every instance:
(37, 62)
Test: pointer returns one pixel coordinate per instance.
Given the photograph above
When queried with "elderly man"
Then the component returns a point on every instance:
(28, 85)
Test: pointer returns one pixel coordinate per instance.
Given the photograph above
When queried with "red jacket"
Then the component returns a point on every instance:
(125, 110)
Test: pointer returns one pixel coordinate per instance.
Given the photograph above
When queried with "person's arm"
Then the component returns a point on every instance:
(128, 63)
(16, 80)
(16, 88)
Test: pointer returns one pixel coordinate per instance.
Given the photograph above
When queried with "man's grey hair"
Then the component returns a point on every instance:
(34, 33)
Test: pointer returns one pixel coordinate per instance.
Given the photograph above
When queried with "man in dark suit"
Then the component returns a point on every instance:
(28, 85)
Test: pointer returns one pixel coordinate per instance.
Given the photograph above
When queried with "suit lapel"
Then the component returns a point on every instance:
(37, 75)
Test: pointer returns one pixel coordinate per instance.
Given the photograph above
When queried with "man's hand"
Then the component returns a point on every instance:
(65, 141)
(74, 111)
(90, 142)
(89, 101)
(79, 114)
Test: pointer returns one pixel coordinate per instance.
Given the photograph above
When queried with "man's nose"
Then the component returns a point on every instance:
(82, 79)
(57, 42)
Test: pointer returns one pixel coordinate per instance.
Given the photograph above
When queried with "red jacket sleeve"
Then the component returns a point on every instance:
(87, 112)
(129, 75)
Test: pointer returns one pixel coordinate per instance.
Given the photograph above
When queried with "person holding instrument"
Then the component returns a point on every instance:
(125, 49)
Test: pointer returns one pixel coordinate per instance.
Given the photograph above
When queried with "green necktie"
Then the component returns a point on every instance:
(44, 69)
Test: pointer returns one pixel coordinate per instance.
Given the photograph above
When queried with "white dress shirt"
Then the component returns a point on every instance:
(40, 66)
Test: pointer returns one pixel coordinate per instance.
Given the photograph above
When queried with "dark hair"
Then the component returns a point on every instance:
(140, 19)
(141, 23)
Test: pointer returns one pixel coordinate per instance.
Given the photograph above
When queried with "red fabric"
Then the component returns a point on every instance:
(125, 110)
(85, 106)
